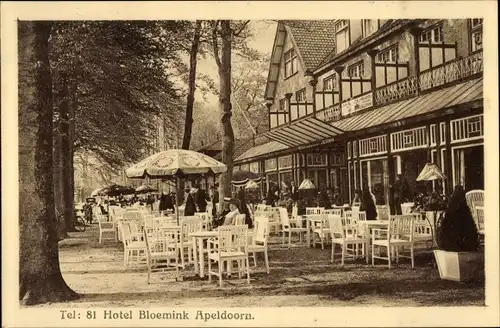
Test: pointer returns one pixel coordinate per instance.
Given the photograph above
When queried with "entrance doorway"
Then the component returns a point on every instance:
(468, 167)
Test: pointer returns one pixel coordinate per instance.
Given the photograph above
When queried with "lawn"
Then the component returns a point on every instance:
(299, 276)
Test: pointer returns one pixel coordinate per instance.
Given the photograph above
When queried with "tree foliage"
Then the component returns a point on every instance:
(119, 76)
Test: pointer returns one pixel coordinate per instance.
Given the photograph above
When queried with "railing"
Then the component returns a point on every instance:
(397, 90)
(451, 71)
(329, 114)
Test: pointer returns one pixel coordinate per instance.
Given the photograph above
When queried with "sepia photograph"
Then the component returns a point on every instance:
(196, 170)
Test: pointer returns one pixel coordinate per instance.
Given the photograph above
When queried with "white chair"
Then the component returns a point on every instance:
(273, 214)
(231, 245)
(422, 230)
(188, 225)
(314, 210)
(333, 211)
(134, 248)
(474, 198)
(399, 234)
(345, 234)
(479, 219)
(259, 240)
(206, 219)
(321, 230)
(406, 208)
(382, 213)
(107, 230)
(289, 228)
(162, 252)
(238, 220)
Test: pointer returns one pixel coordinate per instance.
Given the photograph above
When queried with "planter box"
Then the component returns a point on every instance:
(460, 266)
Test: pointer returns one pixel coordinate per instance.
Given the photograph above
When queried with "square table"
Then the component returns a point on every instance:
(198, 249)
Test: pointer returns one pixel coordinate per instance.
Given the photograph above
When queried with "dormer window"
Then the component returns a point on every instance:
(432, 35)
(476, 34)
(290, 63)
(388, 55)
(369, 27)
(341, 35)
(357, 70)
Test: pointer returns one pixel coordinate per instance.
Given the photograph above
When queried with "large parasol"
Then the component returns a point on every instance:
(144, 189)
(175, 163)
(241, 178)
(116, 190)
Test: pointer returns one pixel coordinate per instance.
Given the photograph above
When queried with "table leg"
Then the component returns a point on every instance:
(308, 226)
(202, 258)
(195, 254)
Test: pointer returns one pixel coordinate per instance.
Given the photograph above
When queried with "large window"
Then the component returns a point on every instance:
(290, 62)
(300, 96)
(432, 35)
(357, 70)
(476, 34)
(388, 55)
(329, 82)
(341, 35)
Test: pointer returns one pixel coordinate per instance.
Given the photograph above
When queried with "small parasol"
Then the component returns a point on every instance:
(251, 185)
(307, 185)
(431, 172)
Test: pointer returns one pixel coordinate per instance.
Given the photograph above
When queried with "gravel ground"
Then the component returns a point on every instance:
(299, 276)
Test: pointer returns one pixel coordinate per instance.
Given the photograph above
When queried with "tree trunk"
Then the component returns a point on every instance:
(58, 195)
(225, 108)
(188, 125)
(40, 278)
(188, 122)
(66, 156)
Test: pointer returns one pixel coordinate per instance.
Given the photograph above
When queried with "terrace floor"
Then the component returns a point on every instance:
(299, 276)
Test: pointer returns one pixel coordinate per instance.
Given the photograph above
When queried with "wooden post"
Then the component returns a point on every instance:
(373, 53)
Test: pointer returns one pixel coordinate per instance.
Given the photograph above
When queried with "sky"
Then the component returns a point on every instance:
(264, 32)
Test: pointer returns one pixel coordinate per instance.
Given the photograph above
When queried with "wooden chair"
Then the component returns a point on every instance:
(259, 240)
(107, 230)
(206, 219)
(474, 198)
(314, 210)
(239, 220)
(188, 225)
(162, 252)
(287, 227)
(231, 245)
(339, 228)
(399, 234)
(134, 247)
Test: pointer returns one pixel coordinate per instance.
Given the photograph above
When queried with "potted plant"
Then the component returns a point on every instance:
(458, 257)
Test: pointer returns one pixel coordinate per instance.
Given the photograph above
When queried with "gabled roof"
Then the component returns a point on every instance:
(214, 149)
(313, 40)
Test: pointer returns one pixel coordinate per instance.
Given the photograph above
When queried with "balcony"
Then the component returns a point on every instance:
(452, 71)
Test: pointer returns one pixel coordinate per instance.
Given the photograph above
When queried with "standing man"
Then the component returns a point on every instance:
(215, 199)
(201, 199)
(294, 192)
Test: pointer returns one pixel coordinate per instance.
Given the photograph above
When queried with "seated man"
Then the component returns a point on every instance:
(233, 211)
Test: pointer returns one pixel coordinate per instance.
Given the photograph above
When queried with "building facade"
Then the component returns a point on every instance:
(353, 103)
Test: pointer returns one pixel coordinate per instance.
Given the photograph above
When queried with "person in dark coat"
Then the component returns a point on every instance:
(219, 220)
(244, 209)
(400, 194)
(215, 199)
(324, 200)
(201, 199)
(294, 192)
(368, 205)
(190, 207)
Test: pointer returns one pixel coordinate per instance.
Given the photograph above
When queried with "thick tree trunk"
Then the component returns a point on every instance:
(188, 125)
(225, 109)
(40, 278)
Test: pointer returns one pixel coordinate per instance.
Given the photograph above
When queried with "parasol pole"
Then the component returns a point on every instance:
(176, 199)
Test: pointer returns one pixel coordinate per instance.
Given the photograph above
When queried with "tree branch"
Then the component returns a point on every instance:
(215, 44)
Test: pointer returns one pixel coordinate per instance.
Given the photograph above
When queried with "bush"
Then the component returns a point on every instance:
(456, 229)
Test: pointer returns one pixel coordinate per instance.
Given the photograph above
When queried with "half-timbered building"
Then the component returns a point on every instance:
(353, 103)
